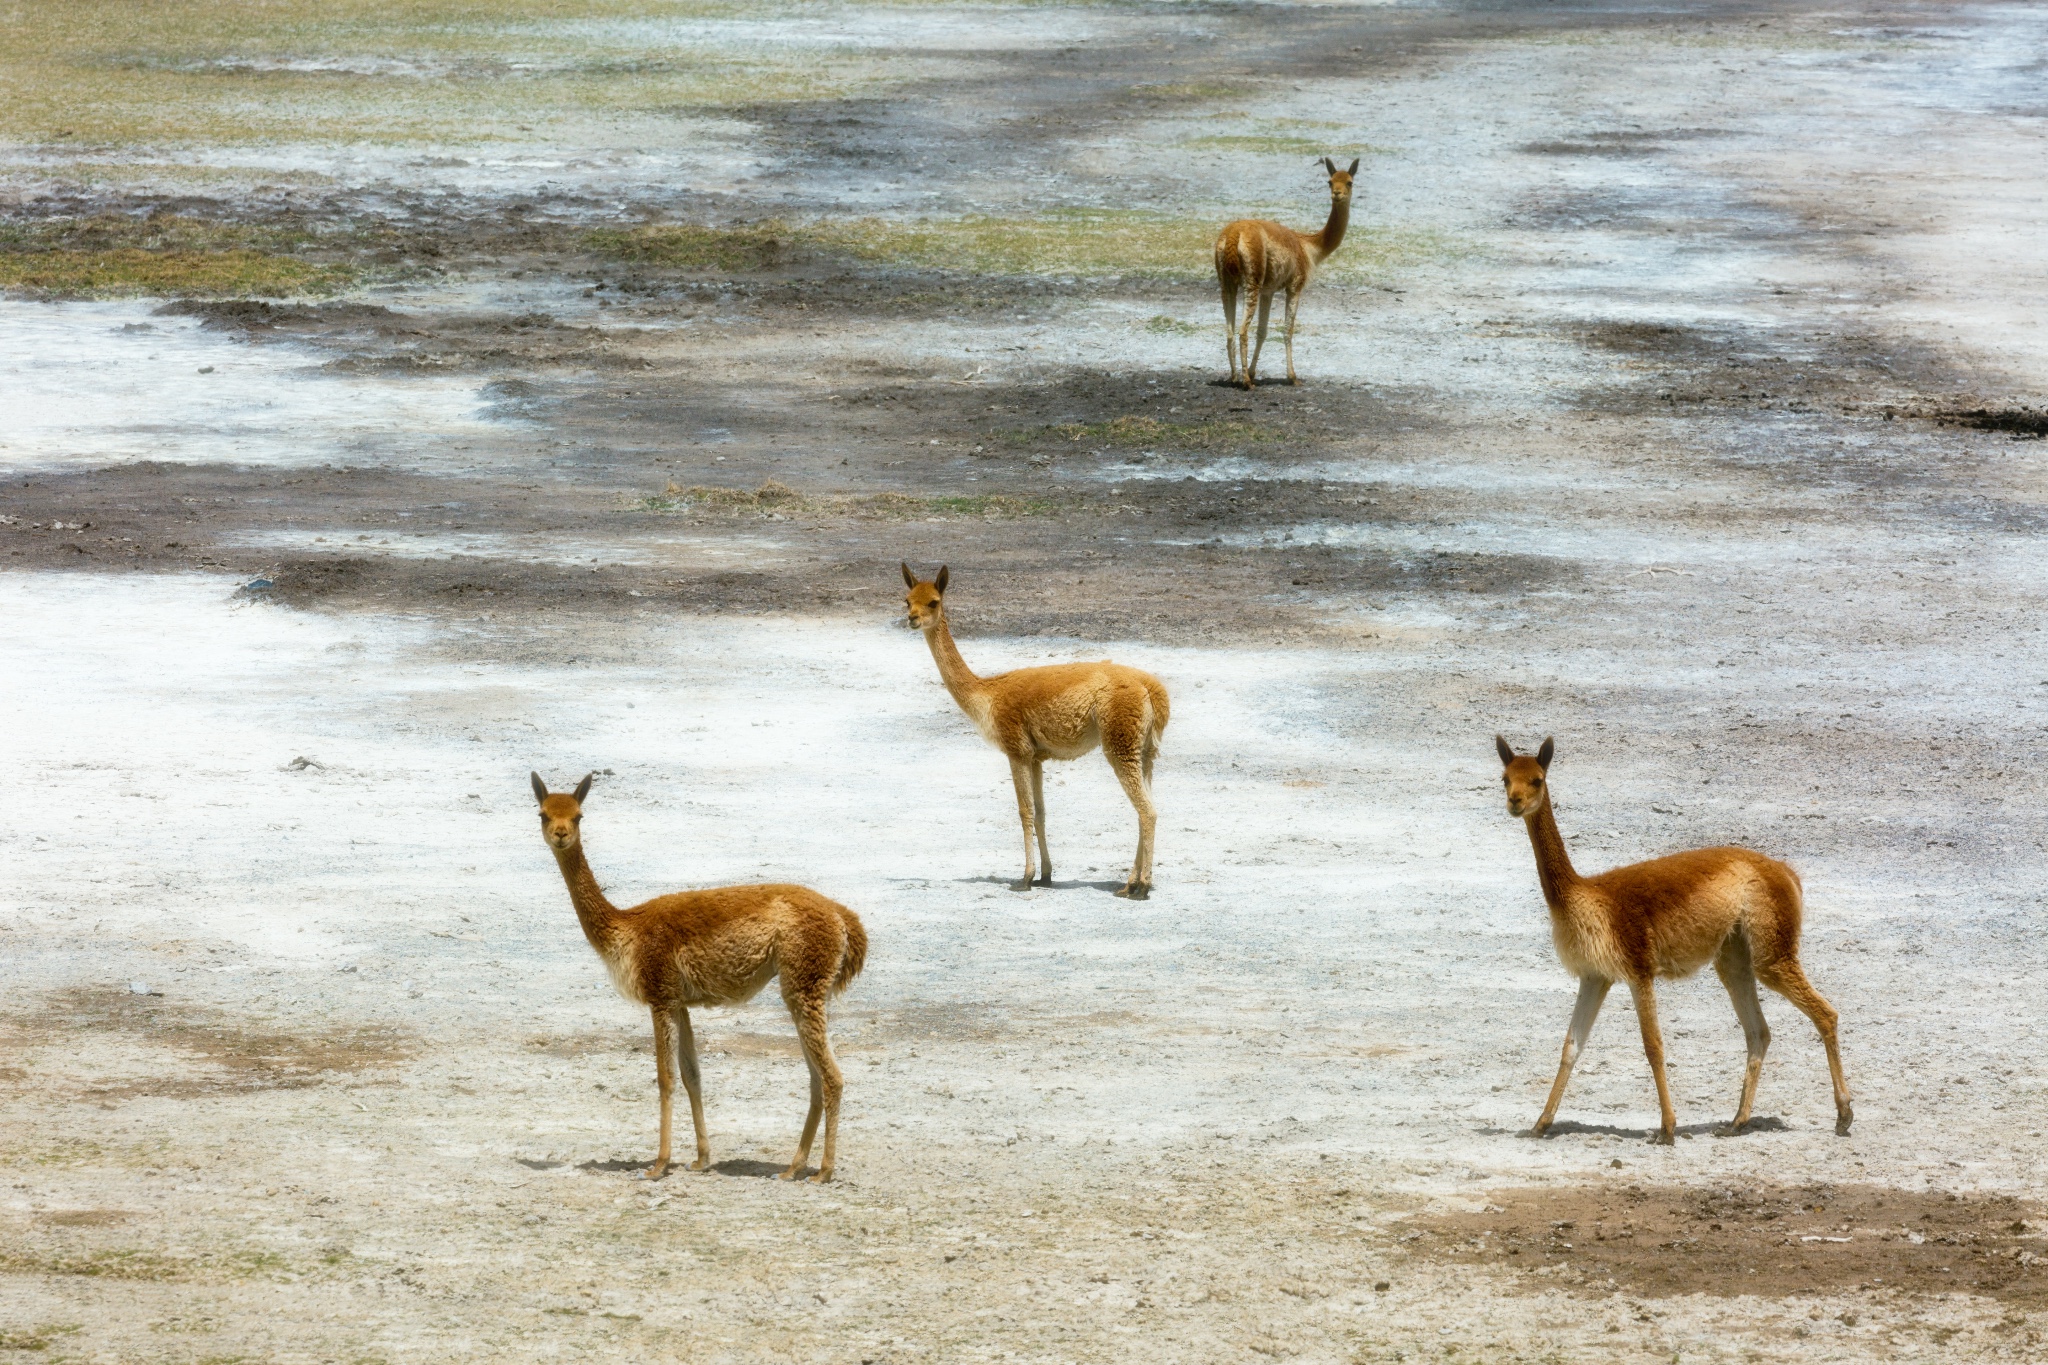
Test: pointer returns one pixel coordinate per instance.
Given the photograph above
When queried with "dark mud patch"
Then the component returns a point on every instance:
(231, 1056)
(1773, 1242)
(2025, 423)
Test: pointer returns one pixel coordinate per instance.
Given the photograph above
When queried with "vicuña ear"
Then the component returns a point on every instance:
(1543, 754)
(583, 787)
(1354, 167)
(1507, 754)
(540, 789)
(1329, 165)
(909, 578)
(940, 581)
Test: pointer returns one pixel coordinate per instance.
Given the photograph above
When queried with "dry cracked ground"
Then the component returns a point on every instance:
(402, 395)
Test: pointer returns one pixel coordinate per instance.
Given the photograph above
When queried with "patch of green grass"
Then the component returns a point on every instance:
(1077, 244)
(216, 274)
(774, 499)
(689, 246)
(34, 1338)
(110, 256)
(1162, 325)
(130, 1263)
(92, 72)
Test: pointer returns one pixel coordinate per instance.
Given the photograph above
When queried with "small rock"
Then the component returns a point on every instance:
(301, 763)
(142, 988)
(206, 369)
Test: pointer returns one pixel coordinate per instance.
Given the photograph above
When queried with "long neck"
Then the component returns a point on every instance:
(953, 670)
(1553, 864)
(593, 911)
(1331, 237)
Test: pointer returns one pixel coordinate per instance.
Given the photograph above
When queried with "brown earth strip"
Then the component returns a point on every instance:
(1774, 1242)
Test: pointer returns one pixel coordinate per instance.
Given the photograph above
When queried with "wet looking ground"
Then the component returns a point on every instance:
(401, 398)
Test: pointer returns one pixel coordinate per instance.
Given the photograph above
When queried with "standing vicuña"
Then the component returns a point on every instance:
(1268, 258)
(1059, 711)
(1670, 917)
(716, 947)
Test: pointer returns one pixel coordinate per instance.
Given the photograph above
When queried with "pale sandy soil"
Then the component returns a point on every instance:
(307, 1061)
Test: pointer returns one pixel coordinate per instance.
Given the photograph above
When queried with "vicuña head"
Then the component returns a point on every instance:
(1523, 777)
(1340, 181)
(925, 602)
(561, 817)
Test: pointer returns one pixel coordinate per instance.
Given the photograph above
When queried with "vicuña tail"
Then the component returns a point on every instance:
(856, 955)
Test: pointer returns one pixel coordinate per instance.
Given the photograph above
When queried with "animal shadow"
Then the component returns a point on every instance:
(1009, 882)
(639, 1165)
(753, 1170)
(1565, 1127)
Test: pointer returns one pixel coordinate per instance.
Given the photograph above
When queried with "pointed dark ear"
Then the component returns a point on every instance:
(1354, 167)
(583, 787)
(940, 581)
(909, 578)
(1329, 165)
(1507, 755)
(540, 789)
(1543, 754)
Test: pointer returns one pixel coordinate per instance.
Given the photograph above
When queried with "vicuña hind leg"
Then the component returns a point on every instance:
(827, 1085)
(1293, 303)
(1785, 977)
(1123, 744)
(1251, 375)
(1736, 973)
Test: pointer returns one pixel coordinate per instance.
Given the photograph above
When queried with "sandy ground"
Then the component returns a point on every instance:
(1648, 440)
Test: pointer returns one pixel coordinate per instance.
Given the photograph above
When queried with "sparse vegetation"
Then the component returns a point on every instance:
(1162, 325)
(164, 255)
(1062, 244)
(34, 1338)
(775, 499)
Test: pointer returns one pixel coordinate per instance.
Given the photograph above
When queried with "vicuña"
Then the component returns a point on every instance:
(1059, 711)
(1669, 917)
(715, 947)
(1264, 259)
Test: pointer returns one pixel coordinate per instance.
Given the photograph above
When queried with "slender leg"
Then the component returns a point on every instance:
(1645, 993)
(693, 1085)
(664, 1049)
(1038, 807)
(1265, 311)
(1244, 338)
(1736, 973)
(1293, 302)
(1592, 993)
(1785, 977)
(1123, 744)
(827, 1085)
(1020, 777)
(1230, 327)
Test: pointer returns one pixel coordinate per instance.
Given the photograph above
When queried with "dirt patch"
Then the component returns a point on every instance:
(1776, 1242)
(241, 1059)
(2028, 423)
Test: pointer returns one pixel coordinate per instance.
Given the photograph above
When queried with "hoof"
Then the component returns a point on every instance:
(655, 1172)
(821, 1178)
(702, 1163)
(1136, 891)
(1024, 885)
(1046, 880)
(1664, 1138)
(1842, 1122)
(1731, 1129)
(791, 1174)
(1540, 1128)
